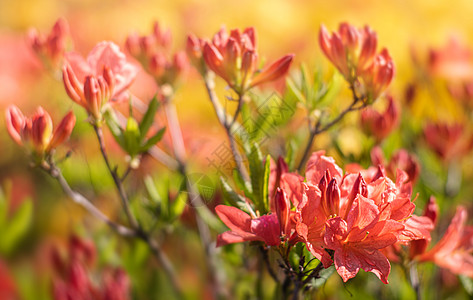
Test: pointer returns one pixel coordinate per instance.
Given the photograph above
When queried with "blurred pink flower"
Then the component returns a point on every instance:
(452, 62)
(449, 141)
(51, 48)
(351, 50)
(234, 58)
(453, 251)
(36, 132)
(380, 125)
(104, 55)
(401, 159)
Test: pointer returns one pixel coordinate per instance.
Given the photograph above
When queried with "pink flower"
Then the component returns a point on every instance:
(153, 52)
(453, 251)
(380, 125)
(36, 132)
(453, 62)
(235, 59)
(272, 229)
(93, 94)
(51, 48)
(244, 228)
(401, 159)
(351, 50)
(449, 141)
(350, 216)
(358, 239)
(377, 77)
(105, 55)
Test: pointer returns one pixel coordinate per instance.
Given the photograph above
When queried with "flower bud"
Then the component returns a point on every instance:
(283, 209)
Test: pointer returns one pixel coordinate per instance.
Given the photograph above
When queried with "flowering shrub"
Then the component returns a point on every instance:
(285, 223)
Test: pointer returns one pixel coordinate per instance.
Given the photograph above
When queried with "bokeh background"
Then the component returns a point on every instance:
(404, 27)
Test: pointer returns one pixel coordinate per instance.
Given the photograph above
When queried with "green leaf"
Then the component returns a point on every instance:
(230, 196)
(114, 126)
(267, 172)
(178, 205)
(153, 140)
(332, 90)
(467, 283)
(4, 204)
(17, 227)
(132, 137)
(324, 275)
(148, 118)
(161, 203)
(257, 177)
(242, 185)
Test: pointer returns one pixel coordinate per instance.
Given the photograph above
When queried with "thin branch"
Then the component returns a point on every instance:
(271, 272)
(314, 274)
(116, 179)
(203, 228)
(78, 198)
(318, 128)
(222, 117)
(164, 261)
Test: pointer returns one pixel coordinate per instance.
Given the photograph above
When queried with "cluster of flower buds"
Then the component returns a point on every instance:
(234, 58)
(194, 46)
(448, 141)
(153, 52)
(400, 160)
(93, 93)
(51, 48)
(36, 132)
(72, 280)
(380, 125)
(353, 52)
(105, 76)
(351, 217)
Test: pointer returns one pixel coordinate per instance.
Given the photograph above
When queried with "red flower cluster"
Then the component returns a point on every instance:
(342, 219)
(72, 280)
(36, 132)
(234, 58)
(105, 75)
(353, 52)
(380, 125)
(51, 48)
(448, 141)
(152, 52)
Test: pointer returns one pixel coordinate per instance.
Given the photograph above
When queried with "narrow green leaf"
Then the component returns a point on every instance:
(153, 140)
(267, 172)
(17, 227)
(114, 127)
(132, 137)
(242, 185)
(324, 275)
(148, 118)
(178, 205)
(230, 196)
(467, 283)
(333, 89)
(257, 176)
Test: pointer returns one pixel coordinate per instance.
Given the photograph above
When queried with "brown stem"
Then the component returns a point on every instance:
(203, 228)
(164, 261)
(116, 179)
(56, 173)
(222, 118)
(271, 272)
(318, 129)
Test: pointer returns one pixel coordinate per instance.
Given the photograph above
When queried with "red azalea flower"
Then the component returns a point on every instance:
(234, 58)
